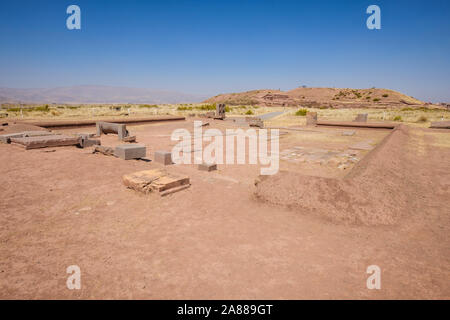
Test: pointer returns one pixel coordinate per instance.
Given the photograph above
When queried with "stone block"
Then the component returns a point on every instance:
(130, 151)
(85, 143)
(440, 125)
(37, 133)
(163, 157)
(107, 151)
(256, 123)
(362, 117)
(220, 111)
(109, 127)
(311, 118)
(86, 135)
(6, 138)
(57, 140)
(207, 167)
(155, 180)
(130, 139)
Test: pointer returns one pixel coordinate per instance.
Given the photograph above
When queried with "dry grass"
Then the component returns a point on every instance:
(416, 117)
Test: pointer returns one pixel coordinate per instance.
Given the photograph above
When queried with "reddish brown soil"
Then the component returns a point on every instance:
(379, 190)
(213, 240)
(317, 97)
(15, 128)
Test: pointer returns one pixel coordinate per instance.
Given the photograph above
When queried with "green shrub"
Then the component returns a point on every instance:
(407, 109)
(385, 95)
(184, 108)
(249, 112)
(13, 109)
(356, 93)
(397, 118)
(207, 107)
(42, 108)
(376, 100)
(301, 112)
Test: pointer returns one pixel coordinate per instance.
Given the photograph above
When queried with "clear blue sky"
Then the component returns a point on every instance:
(211, 46)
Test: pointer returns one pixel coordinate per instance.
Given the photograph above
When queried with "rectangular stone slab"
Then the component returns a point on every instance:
(57, 140)
(155, 180)
(362, 117)
(130, 151)
(163, 157)
(37, 133)
(311, 118)
(109, 127)
(108, 151)
(440, 125)
(85, 143)
(207, 167)
(6, 138)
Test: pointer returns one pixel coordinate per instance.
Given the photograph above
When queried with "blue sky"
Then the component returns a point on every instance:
(212, 47)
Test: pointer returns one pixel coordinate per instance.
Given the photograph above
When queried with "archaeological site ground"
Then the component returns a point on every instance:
(95, 186)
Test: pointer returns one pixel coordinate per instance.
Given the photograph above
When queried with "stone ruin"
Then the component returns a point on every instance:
(311, 118)
(362, 117)
(220, 111)
(109, 127)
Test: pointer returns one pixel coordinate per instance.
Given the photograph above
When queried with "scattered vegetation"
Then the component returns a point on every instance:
(42, 108)
(356, 93)
(385, 95)
(376, 100)
(149, 106)
(249, 112)
(207, 107)
(184, 108)
(301, 112)
(397, 118)
(13, 109)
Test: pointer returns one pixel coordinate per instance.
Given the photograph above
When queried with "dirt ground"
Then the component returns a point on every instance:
(215, 240)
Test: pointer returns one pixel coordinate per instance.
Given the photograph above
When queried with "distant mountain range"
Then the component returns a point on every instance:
(95, 94)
